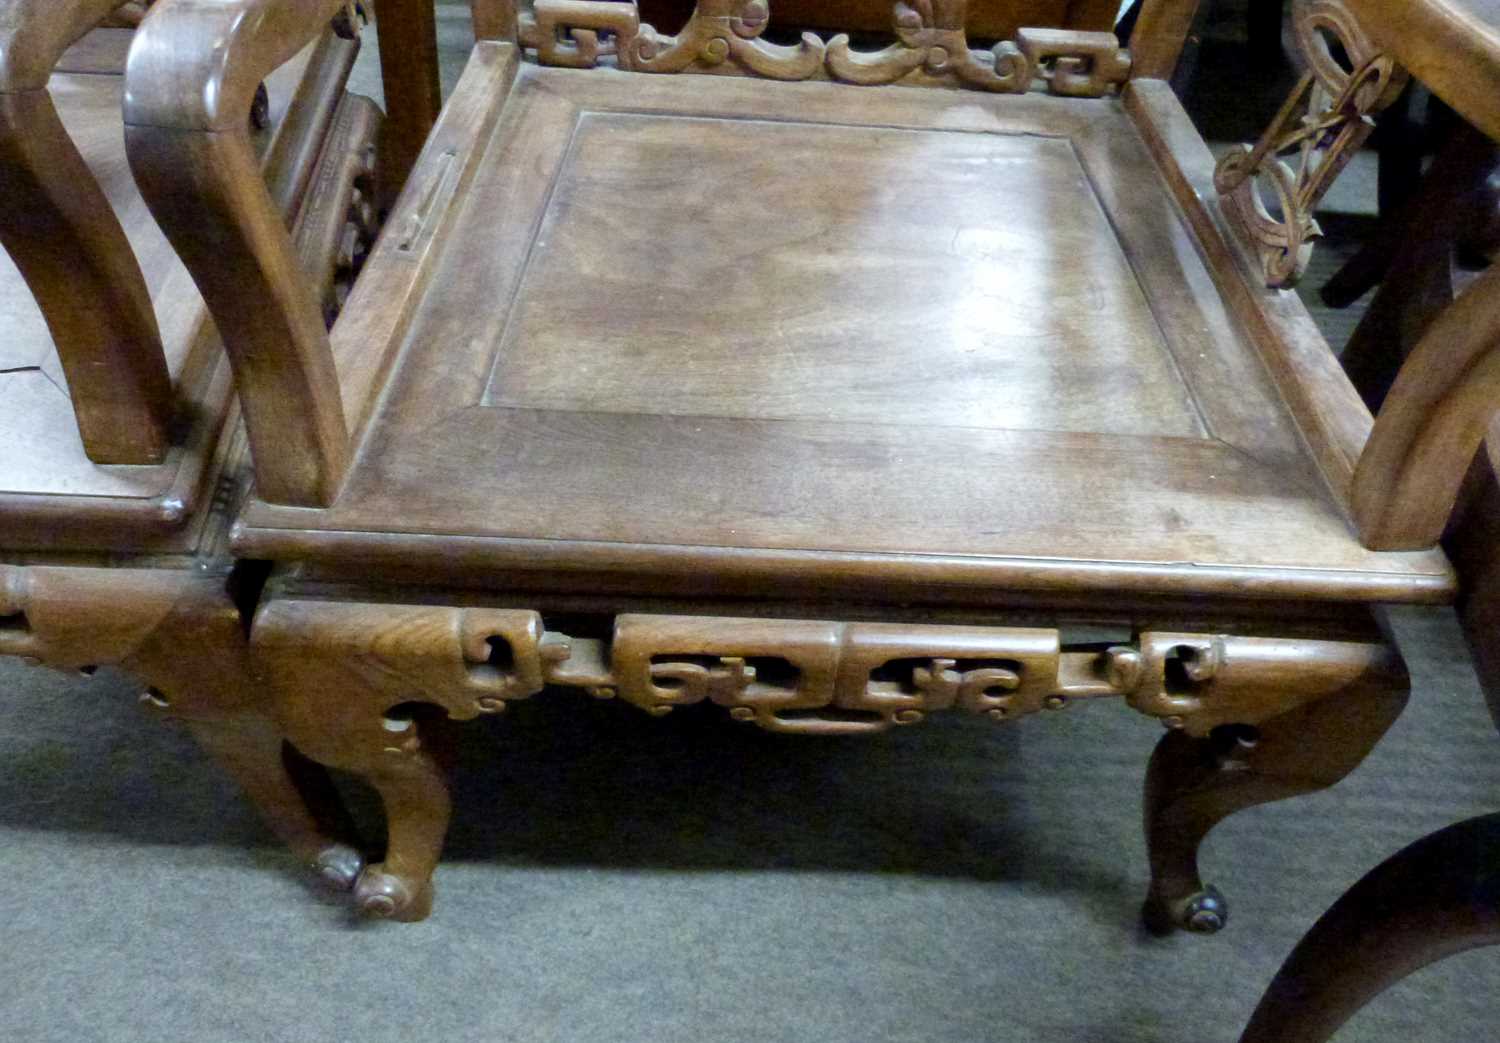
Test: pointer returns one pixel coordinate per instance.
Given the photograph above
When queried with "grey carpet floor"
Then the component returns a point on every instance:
(613, 877)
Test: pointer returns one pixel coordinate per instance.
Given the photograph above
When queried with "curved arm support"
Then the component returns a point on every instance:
(196, 64)
(1431, 425)
(59, 229)
(35, 33)
(1438, 897)
(1451, 46)
(191, 76)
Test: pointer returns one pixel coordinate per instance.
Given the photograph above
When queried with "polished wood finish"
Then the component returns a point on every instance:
(818, 677)
(180, 633)
(1433, 421)
(52, 496)
(290, 398)
(149, 586)
(33, 36)
(59, 230)
(1412, 465)
(713, 388)
(407, 35)
(1452, 46)
(1193, 783)
(303, 419)
(1441, 895)
(868, 455)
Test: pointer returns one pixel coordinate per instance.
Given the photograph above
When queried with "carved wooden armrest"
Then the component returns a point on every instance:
(35, 33)
(57, 225)
(191, 78)
(1436, 415)
(196, 64)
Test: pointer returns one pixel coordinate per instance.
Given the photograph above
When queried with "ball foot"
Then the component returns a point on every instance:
(385, 896)
(339, 866)
(1203, 912)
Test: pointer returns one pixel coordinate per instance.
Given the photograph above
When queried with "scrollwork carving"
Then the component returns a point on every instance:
(576, 33)
(930, 36)
(1324, 122)
(1074, 64)
(724, 35)
(810, 676)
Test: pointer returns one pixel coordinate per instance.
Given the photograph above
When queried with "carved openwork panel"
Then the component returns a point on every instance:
(724, 36)
(759, 668)
(469, 661)
(1322, 125)
(806, 676)
(1075, 64)
(1199, 681)
(577, 33)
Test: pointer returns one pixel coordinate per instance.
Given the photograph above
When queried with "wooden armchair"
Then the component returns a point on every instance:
(796, 389)
(1440, 895)
(121, 456)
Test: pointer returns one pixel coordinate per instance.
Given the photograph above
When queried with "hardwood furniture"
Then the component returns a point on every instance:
(1435, 898)
(1440, 895)
(984, 19)
(121, 455)
(831, 403)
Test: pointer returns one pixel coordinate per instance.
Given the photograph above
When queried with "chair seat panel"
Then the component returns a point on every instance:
(848, 273)
(812, 319)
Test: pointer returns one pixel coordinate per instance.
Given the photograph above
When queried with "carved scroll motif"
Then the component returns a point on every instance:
(930, 36)
(1324, 122)
(1075, 64)
(809, 676)
(723, 35)
(576, 33)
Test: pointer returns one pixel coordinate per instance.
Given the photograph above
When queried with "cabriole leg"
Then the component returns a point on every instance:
(179, 632)
(1194, 783)
(370, 689)
(294, 796)
(338, 716)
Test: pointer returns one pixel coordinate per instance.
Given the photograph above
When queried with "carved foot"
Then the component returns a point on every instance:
(294, 796)
(1194, 784)
(1202, 912)
(385, 895)
(339, 866)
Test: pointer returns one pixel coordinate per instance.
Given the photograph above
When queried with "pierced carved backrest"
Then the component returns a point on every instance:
(930, 46)
(986, 19)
